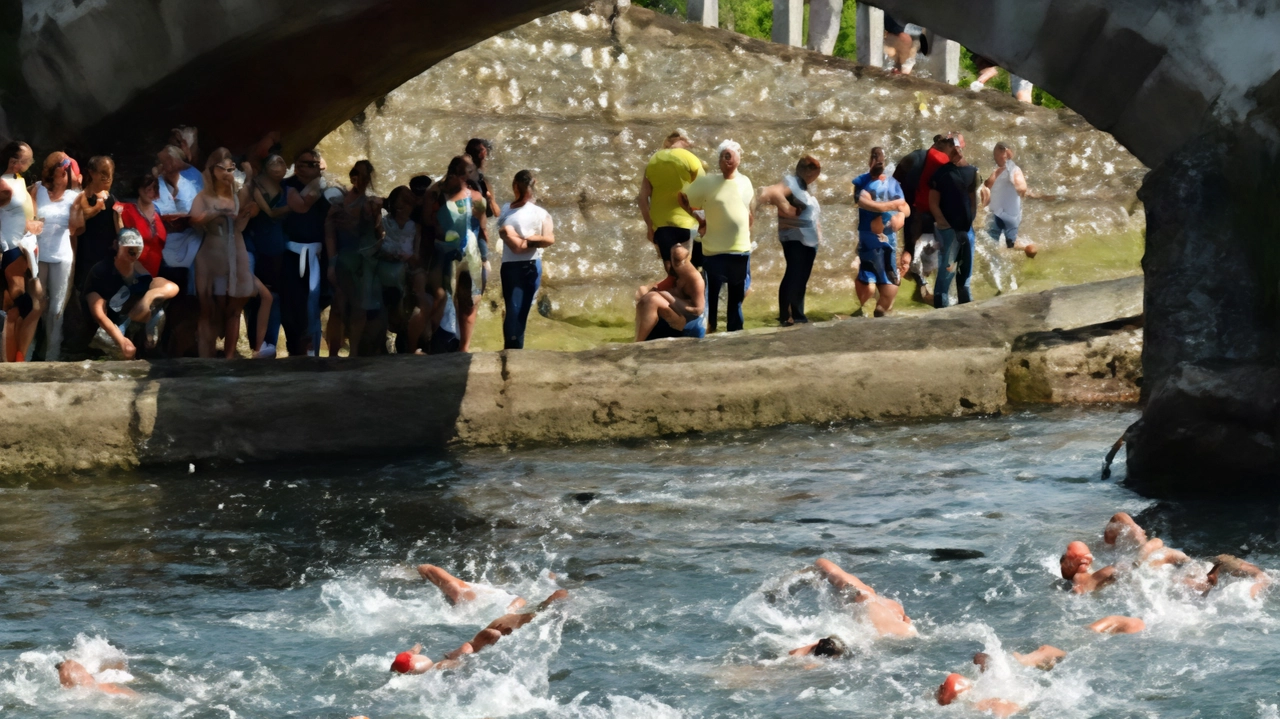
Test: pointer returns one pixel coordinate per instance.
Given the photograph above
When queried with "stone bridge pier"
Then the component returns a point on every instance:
(1192, 89)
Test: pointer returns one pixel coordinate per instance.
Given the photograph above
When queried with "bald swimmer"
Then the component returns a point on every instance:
(73, 675)
(956, 685)
(1075, 565)
(886, 615)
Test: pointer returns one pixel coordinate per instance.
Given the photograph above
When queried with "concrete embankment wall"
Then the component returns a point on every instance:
(959, 361)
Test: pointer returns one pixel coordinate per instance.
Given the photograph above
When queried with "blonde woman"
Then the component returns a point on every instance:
(224, 281)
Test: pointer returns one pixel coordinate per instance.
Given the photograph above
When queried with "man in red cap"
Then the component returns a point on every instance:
(414, 662)
(955, 685)
(1075, 564)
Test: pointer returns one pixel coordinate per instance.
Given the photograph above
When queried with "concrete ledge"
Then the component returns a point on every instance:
(946, 363)
(1090, 365)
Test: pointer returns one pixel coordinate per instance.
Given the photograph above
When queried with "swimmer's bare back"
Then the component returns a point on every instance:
(1116, 624)
(886, 615)
(73, 675)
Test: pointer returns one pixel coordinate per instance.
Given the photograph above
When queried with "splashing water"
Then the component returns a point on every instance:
(287, 590)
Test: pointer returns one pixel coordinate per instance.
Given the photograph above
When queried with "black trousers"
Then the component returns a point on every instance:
(294, 297)
(728, 270)
(795, 281)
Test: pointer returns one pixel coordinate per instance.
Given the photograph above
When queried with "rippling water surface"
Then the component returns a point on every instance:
(285, 591)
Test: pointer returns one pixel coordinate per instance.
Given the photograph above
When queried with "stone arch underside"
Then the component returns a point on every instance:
(1191, 89)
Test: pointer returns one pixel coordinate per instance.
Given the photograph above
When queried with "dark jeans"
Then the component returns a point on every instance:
(955, 261)
(795, 281)
(726, 270)
(520, 282)
(299, 307)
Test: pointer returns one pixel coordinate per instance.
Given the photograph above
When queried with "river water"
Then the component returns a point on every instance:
(285, 591)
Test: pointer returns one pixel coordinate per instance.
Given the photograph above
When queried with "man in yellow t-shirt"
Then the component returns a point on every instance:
(728, 201)
(669, 172)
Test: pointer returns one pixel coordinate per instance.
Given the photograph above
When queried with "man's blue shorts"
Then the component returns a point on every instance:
(878, 263)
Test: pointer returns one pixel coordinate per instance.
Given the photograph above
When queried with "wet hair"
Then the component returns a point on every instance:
(144, 181)
(97, 164)
(366, 166)
(808, 163)
(473, 148)
(458, 165)
(525, 181)
(420, 183)
(10, 151)
(829, 647)
(51, 163)
(394, 197)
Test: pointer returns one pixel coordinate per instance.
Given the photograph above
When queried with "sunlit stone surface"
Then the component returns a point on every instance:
(585, 102)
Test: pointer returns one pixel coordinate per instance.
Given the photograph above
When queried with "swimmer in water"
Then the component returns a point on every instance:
(1044, 658)
(886, 615)
(1116, 624)
(825, 647)
(956, 685)
(456, 590)
(414, 662)
(72, 675)
(1122, 531)
(1228, 565)
(1075, 566)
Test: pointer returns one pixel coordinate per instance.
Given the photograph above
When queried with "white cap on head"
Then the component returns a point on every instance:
(732, 146)
(130, 237)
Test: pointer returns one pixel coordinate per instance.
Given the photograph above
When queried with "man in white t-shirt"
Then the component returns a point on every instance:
(726, 243)
(1005, 189)
(526, 230)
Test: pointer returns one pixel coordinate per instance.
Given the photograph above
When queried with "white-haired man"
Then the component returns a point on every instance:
(726, 242)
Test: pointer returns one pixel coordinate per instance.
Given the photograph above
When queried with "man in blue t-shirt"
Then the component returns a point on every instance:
(882, 210)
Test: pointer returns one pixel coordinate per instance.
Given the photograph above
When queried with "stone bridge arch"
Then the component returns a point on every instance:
(1192, 89)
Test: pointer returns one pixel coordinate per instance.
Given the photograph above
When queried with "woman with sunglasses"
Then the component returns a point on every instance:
(223, 280)
(54, 201)
(352, 237)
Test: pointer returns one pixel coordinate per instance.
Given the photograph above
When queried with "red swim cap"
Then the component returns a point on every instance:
(403, 663)
(952, 687)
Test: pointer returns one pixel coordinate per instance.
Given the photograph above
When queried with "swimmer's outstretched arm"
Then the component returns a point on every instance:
(455, 590)
(841, 579)
(802, 651)
(555, 596)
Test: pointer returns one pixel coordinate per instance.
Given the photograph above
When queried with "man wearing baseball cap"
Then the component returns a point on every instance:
(123, 298)
(668, 173)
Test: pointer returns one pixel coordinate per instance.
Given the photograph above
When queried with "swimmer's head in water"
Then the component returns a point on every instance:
(1225, 564)
(1077, 557)
(72, 673)
(829, 647)
(953, 686)
(403, 663)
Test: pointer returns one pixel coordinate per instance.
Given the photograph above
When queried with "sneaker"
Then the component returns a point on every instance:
(155, 326)
(267, 351)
